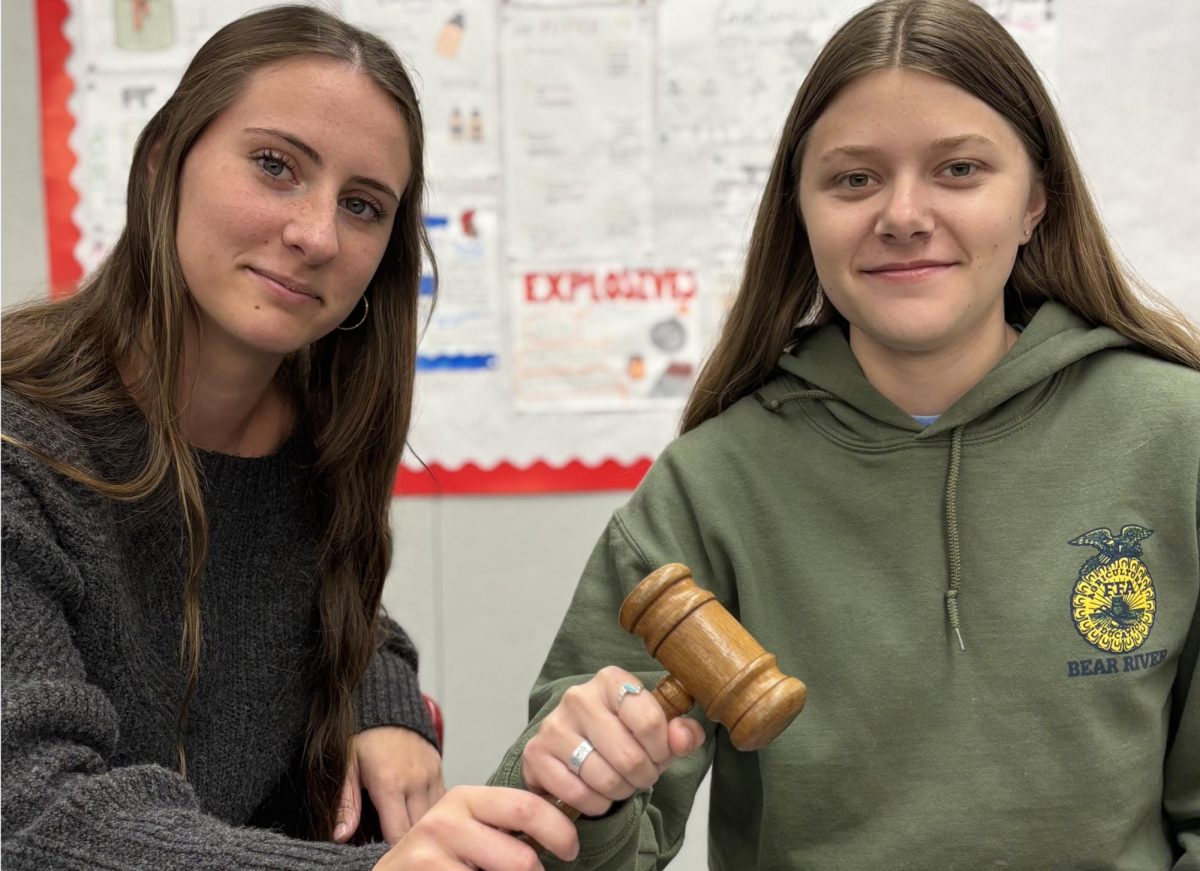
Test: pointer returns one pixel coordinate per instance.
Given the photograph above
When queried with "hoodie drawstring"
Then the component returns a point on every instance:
(952, 532)
(952, 543)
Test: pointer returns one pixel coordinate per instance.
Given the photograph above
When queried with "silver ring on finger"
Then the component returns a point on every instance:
(581, 753)
(629, 689)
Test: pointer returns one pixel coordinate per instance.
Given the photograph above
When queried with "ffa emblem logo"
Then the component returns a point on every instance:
(1112, 604)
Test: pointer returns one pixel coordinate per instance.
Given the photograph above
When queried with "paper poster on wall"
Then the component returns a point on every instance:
(450, 46)
(706, 199)
(604, 338)
(463, 332)
(726, 75)
(727, 72)
(577, 91)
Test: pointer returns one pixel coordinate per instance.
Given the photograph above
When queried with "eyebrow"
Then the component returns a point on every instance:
(946, 143)
(315, 157)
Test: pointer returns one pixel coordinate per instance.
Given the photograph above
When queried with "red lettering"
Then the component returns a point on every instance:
(585, 281)
(537, 287)
(683, 285)
(558, 286)
(618, 285)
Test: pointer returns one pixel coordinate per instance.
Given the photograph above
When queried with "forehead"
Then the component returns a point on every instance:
(899, 108)
(336, 109)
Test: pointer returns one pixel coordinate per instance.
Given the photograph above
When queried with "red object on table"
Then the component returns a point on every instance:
(435, 714)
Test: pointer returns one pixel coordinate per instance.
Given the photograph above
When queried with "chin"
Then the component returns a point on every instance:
(275, 344)
(912, 335)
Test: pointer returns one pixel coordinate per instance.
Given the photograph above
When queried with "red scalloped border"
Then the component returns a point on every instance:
(540, 477)
(62, 236)
(57, 159)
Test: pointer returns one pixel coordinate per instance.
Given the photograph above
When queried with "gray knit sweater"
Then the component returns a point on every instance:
(91, 678)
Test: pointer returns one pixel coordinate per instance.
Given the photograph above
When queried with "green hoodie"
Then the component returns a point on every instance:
(1051, 514)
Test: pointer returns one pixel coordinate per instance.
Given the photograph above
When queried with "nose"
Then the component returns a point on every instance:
(312, 228)
(906, 212)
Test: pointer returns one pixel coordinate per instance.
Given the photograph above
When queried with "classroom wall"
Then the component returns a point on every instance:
(481, 583)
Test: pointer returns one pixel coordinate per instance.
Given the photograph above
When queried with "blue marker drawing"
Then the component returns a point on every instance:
(442, 362)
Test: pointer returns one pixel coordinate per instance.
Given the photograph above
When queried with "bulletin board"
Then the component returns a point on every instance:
(594, 168)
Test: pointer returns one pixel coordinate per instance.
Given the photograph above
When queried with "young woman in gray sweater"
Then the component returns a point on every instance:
(198, 453)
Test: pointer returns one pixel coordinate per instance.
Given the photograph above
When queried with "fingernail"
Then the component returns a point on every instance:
(339, 831)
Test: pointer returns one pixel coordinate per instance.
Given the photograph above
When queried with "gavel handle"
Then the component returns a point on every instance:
(674, 700)
(673, 697)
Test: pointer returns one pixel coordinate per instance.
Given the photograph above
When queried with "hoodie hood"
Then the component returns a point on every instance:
(822, 380)
(1055, 338)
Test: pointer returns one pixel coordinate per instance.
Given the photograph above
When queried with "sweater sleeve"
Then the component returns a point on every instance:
(65, 804)
(1181, 777)
(390, 694)
(646, 831)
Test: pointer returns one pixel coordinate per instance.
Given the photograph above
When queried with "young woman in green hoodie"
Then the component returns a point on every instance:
(944, 464)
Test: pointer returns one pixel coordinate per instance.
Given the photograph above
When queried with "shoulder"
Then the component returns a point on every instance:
(1132, 362)
(45, 514)
(22, 417)
(108, 442)
(36, 440)
(722, 454)
(738, 429)
(30, 428)
(1133, 379)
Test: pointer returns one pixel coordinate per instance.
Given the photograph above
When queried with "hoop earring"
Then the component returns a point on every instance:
(366, 310)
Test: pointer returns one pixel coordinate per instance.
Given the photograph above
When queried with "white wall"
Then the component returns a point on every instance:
(23, 267)
(481, 583)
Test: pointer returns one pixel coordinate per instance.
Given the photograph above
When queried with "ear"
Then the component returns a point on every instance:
(1036, 208)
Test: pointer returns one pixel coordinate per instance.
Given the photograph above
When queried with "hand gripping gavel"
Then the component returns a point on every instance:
(710, 659)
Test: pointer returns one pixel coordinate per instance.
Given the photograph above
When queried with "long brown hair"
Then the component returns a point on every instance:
(353, 389)
(1069, 258)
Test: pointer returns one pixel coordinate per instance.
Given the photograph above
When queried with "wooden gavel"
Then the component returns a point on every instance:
(710, 659)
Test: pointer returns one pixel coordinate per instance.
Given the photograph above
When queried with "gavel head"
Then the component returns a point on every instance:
(712, 656)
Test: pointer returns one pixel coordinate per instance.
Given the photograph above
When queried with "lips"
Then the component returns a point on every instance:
(912, 270)
(908, 265)
(284, 282)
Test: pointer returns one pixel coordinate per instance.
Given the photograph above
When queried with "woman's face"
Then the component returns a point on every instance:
(916, 196)
(286, 204)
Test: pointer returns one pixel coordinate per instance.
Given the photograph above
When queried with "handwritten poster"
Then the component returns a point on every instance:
(605, 338)
(578, 96)
(464, 330)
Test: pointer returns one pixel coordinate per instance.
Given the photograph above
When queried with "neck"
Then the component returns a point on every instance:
(927, 383)
(229, 402)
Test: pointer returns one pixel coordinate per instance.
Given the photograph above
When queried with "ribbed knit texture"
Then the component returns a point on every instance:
(91, 678)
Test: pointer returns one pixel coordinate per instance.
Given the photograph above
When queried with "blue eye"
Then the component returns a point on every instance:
(272, 163)
(363, 208)
(962, 169)
(856, 180)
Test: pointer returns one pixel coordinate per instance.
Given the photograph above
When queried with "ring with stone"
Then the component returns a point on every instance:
(629, 689)
(581, 753)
